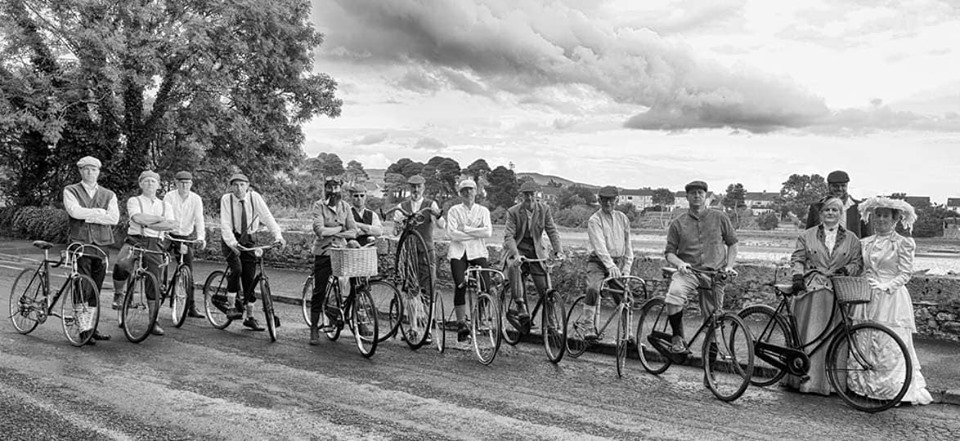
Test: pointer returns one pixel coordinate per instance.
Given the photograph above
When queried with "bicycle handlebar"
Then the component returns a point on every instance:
(258, 247)
(184, 241)
(78, 248)
(721, 275)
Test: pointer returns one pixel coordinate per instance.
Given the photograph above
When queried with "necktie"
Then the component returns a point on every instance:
(244, 236)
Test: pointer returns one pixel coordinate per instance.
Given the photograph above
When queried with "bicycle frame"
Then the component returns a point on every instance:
(626, 299)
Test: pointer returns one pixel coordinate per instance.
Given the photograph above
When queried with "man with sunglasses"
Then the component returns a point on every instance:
(368, 223)
(611, 254)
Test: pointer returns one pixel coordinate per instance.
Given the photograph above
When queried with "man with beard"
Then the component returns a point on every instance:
(837, 182)
(333, 224)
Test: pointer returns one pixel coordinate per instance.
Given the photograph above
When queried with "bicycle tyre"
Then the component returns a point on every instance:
(363, 318)
(27, 302)
(485, 327)
(757, 318)
(868, 336)
(215, 299)
(331, 320)
(70, 309)
(269, 314)
(511, 333)
(652, 329)
(386, 301)
(181, 287)
(139, 311)
(623, 340)
(577, 344)
(554, 326)
(439, 324)
(417, 299)
(728, 371)
(305, 298)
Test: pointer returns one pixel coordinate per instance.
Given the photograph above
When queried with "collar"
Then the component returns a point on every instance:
(93, 187)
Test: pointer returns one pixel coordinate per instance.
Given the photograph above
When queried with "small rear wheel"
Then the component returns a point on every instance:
(305, 297)
(728, 357)
(363, 316)
(386, 302)
(554, 326)
(139, 311)
(80, 309)
(485, 327)
(27, 302)
(215, 300)
(653, 337)
(181, 286)
(268, 313)
(577, 329)
(331, 321)
(439, 324)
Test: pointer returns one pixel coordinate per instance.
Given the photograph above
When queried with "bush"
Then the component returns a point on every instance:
(7, 215)
(768, 221)
(43, 223)
(499, 216)
(574, 217)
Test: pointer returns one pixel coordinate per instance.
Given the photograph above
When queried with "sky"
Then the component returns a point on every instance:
(651, 93)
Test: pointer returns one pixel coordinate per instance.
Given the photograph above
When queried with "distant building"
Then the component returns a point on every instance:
(761, 202)
(951, 227)
(953, 204)
(549, 194)
(640, 199)
(918, 201)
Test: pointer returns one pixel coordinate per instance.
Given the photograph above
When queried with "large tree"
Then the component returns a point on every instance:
(798, 192)
(441, 176)
(664, 198)
(213, 87)
(734, 202)
(504, 187)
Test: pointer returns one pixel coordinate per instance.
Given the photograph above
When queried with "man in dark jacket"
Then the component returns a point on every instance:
(837, 187)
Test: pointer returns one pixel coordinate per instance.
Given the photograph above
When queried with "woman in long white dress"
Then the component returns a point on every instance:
(888, 266)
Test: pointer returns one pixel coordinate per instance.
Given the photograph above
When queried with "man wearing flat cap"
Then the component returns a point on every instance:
(92, 212)
(369, 227)
(242, 213)
(413, 204)
(150, 217)
(837, 182)
(188, 211)
(611, 254)
(523, 236)
(702, 239)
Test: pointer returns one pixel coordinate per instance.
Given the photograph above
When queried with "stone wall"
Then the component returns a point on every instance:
(936, 298)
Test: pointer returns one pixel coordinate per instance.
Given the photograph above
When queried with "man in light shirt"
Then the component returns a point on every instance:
(150, 217)
(188, 211)
(468, 225)
(92, 212)
(611, 254)
(242, 212)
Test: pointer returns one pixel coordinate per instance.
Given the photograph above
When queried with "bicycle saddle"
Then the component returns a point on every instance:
(42, 244)
(786, 288)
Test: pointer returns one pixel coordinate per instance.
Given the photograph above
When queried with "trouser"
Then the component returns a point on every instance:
(682, 285)
(515, 274)
(243, 267)
(458, 267)
(322, 270)
(596, 272)
(94, 268)
(151, 261)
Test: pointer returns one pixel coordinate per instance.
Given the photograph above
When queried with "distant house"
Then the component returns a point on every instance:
(761, 202)
(640, 199)
(953, 204)
(918, 201)
(549, 194)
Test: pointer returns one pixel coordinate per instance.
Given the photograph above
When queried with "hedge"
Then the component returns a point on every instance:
(43, 223)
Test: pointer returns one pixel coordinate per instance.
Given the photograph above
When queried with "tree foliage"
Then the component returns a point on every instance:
(573, 195)
(768, 221)
(798, 192)
(663, 197)
(182, 84)
(477, 170)
(504, 187)
(441, 176)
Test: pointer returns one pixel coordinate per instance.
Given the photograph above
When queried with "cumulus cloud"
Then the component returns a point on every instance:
(428, 143)
(373, 138)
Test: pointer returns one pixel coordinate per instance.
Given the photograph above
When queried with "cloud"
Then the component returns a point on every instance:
(373, 138)
(428, 143)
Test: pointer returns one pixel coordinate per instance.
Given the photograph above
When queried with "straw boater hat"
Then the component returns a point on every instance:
(907, 214)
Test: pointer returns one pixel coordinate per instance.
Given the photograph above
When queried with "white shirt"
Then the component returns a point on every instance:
(830, 238)
(156, 207)
(467, 228)
(257, 214)
(110, 216)
(188, 213)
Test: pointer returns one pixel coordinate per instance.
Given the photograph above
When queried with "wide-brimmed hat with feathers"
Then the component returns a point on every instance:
(907, 214)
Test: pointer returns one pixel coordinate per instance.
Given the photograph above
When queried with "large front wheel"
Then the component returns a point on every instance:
(869, 367)
(268, 313)
(416, 283)
(215, 299)
(485, 327)
(139, 313)
(728, 357)
(80, 309)
(27, 302)
(553, 323)
(182, 287)
(363, 317)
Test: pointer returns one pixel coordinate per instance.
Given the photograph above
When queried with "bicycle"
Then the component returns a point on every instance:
(215, 294)
(180, 286)
(358, 306)
(485, 327)
(727, 352)
(582, 331)
(136, 301)
(779, 347)
(553, 319)
(418, 307)
(30, 302)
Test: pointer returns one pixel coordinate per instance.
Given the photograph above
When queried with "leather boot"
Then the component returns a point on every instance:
(314, 328)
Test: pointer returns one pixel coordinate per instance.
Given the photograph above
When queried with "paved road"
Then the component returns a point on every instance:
(200, 383)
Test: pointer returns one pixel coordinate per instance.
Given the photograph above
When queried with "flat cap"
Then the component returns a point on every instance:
(838, 177)
(331, 181)
(695, 185)
(466, 183)
(529, 187)
(239, 177)
(609, 192)
(184, 176)
(149, 174)
(88, 161)
(416, 179)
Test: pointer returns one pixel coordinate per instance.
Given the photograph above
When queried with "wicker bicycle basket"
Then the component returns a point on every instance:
(354, 262)
(852, 290)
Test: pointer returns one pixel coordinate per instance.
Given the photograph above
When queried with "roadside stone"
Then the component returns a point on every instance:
(946, 317)
(951, 327)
